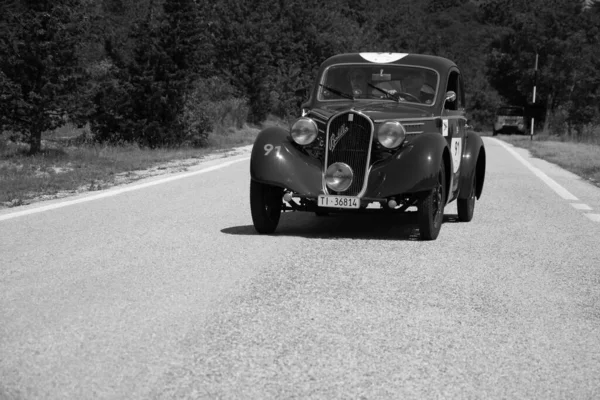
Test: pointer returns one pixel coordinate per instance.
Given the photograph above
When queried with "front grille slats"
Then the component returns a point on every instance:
(348, 140)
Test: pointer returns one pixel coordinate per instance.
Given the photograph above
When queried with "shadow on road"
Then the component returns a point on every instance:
(344, 226)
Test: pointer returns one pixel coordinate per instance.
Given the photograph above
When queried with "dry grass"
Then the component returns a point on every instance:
(63, 168)
(582, 159)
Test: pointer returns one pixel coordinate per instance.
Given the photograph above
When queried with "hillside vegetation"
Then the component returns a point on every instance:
(173, 72)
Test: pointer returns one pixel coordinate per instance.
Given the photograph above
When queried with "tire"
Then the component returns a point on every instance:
(494, 132)
(466, 207)
(431, 208)
(265, 206)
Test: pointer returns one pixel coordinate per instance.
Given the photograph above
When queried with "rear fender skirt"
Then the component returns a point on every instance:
(275, 160)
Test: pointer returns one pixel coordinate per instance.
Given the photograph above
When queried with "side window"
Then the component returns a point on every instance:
(455, 85)
(462, 104)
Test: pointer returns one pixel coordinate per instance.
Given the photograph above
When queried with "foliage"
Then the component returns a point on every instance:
(210, 106)
(39, 69)
(166, 72)
(142, 100)
(268, 49)
(564, 35)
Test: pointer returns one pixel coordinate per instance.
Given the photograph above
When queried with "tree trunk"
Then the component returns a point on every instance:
(35, 142)
(548, 112)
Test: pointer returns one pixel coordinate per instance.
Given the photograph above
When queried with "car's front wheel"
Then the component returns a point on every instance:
(431, 208)
(265, 206)
(466, 207)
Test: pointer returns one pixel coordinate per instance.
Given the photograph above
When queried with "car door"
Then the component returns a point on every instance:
(454, 126)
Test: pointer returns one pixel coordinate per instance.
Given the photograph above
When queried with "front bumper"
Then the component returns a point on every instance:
(510, 128)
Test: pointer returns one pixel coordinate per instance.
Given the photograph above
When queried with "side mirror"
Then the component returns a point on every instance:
(451, 96)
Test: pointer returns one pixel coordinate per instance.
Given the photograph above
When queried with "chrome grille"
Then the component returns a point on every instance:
(349, 139)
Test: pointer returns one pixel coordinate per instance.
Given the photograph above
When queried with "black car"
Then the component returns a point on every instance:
(384, 130)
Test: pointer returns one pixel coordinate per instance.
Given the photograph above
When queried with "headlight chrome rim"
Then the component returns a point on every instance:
(339, 176)
(304, 131)
(391, 134)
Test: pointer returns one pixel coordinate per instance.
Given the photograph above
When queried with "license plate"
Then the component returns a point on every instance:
(339, 201)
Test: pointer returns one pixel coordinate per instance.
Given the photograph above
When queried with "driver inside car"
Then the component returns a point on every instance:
(358, 82)
(414, 83)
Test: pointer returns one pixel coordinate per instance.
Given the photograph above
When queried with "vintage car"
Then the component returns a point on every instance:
(509, 119)
(379, 132)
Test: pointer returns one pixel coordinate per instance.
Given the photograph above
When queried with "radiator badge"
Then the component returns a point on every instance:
(336, 137)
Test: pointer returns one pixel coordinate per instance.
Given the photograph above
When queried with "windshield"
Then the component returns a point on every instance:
(393, 82)
(510, 111)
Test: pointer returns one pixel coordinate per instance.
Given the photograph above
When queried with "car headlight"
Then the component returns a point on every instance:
(391, 134)
(339, 176)
(304, 131)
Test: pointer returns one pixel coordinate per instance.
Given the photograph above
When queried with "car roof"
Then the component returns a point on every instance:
(436, 62)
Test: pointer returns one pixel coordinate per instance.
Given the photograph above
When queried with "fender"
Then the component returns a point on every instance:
(276, 161)
(412, 169)
(473, 162)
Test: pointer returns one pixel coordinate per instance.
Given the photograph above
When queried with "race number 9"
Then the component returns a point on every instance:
(269, 148)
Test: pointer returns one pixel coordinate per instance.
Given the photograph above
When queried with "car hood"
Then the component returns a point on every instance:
(377, 110)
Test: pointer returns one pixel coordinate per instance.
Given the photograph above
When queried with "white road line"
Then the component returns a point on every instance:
(593, 217)
(580, 206)
(561, 191)
(114, 192)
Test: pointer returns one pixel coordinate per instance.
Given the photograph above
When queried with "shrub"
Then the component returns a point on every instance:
(557, 122)
(211, 106)
(196, 125)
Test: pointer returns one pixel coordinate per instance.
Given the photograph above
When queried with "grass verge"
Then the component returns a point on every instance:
(64, 169)
(582, 159)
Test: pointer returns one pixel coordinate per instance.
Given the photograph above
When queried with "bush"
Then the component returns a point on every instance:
(557, 123)
(196, 125)
(211, 106)
(226, 113)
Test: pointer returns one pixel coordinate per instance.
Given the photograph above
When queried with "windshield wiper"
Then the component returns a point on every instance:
(389, 95)
(338, 92)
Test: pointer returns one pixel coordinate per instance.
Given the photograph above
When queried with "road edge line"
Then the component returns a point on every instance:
(561, 191)
(116, 191)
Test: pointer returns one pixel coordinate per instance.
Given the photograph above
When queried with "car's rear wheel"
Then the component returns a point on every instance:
(466, 207)
(431, 208)
(265, 206)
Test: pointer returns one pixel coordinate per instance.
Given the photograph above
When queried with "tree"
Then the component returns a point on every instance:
(144, 101)
(38, 64)
(559, 32)
(447, 28)
(268, 49)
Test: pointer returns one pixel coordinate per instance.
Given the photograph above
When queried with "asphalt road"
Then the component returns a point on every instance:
(164, 291)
